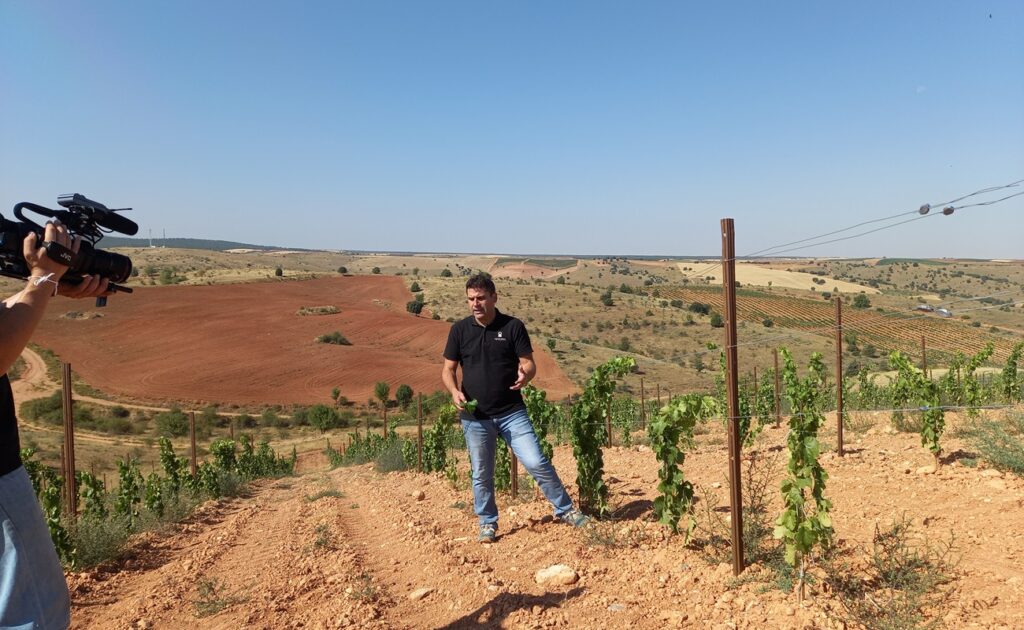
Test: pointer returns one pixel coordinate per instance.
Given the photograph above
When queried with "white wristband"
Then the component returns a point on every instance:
(38, 280)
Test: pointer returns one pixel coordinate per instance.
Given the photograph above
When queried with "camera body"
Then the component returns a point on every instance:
(82, 217)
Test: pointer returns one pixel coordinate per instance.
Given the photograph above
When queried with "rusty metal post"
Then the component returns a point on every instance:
(231, 427)
(839, 374)
(384, 406)
(192, 438)
(732, 386)
(657, 391)
(70, 483)
(924, 357)
(778, 391)
(419, 434)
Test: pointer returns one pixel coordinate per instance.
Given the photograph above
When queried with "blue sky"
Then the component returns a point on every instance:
(521, 127)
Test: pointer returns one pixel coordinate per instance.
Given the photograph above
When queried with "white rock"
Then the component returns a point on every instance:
(991, 472)
(556, 575)
(926, 470)
(420, 593)
(419, 495)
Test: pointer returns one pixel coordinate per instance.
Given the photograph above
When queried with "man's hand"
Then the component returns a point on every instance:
(89, 287)
(522, 379)
(35, 254)
(459, 399)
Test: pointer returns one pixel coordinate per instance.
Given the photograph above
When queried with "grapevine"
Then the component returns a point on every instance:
(587, 432)
(928, 395)
(154, 494)
(796, 526)
(671, 434)
(93, 494)
(1009, 378)
(543, 415)
(129, 492)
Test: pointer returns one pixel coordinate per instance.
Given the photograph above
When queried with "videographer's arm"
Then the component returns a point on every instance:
(21, 313)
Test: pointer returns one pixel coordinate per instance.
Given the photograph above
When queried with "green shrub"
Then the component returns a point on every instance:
(1001, 444)
(335, 338)
(173, 423)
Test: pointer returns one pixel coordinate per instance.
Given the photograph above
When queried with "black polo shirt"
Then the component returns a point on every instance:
(10, 457)
(490, 362)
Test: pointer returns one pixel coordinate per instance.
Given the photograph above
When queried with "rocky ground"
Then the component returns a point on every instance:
(353, 548)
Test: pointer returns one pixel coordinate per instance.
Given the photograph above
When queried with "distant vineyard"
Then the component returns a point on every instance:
(888, 330)
(550, 263)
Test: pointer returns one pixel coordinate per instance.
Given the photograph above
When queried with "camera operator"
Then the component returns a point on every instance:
(33, 592)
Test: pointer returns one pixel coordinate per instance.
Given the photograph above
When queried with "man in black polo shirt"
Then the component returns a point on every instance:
(33, 593)
(497, 361)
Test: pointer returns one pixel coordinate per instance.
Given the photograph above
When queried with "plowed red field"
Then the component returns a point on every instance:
(245, 344)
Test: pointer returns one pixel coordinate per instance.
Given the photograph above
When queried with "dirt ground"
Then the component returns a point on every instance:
(245, 343)
(361, 558)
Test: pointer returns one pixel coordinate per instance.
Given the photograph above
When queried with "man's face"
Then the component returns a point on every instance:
(481, 304)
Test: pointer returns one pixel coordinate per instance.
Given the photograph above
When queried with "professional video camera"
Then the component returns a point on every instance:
(83, 217)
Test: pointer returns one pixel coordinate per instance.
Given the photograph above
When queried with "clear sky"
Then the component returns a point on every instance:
(522, 127)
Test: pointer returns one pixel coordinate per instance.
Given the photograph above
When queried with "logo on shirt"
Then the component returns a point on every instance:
(499, 337)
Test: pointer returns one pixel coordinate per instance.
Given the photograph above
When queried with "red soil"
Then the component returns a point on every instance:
(245, 344)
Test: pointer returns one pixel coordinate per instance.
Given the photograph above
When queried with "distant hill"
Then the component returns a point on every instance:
(187, 243)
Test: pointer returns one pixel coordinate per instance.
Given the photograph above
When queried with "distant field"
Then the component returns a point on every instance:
(247, 344)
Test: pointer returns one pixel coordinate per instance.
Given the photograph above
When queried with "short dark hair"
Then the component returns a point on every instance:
(481, 281)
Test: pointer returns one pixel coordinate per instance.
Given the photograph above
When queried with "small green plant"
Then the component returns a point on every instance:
(798, 527)
(213, 596)
(928, 395)
(331, 493)
(903, 582)
(671, 435)
(363, 589)
(587, 426)
(323, 540)
(1001, 444)
(317, 310)
(335, 338)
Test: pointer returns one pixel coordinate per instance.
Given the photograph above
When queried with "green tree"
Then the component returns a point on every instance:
(342, 270)
(415, 287)
(404, 395)
(551, 344)
(382, 390)
(173, 423)
(861, 301)
(278, 271)
(375, 270)
(414, 306)
(717, 321)
(446, 273)
(322, 417)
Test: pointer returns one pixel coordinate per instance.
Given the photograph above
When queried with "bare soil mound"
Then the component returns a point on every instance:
(246, 344)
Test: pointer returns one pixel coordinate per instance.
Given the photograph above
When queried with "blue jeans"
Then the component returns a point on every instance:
(515, 428)
(33, 594)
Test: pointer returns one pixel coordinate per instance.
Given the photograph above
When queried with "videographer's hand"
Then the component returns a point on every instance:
(89, 287)
(38, 261)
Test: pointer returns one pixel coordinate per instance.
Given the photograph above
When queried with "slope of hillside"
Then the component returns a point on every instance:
(363, 557)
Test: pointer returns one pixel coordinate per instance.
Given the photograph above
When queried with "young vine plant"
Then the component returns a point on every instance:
(798, 527)
(671, 434)
(925, 393)
(587, 427)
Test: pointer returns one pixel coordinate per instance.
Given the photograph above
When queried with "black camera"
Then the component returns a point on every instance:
(82, 217)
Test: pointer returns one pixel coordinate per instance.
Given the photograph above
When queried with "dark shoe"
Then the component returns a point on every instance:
(575, 518)
(488, 533)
